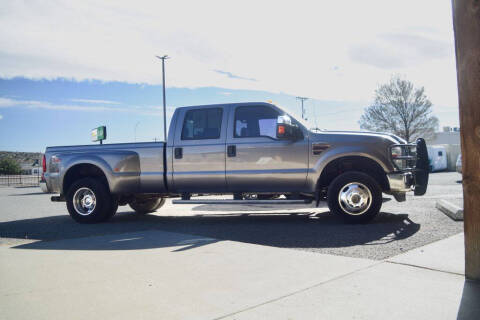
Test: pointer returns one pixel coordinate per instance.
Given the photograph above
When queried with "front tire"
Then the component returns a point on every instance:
(144, 206)
(355, 196)
(89, 201)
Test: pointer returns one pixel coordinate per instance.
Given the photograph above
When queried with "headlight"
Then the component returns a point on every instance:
(396, 152)
(403, 156)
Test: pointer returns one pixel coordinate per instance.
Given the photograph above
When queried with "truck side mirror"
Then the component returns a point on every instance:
(285, 129)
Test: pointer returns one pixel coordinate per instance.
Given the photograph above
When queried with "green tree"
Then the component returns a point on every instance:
(401, 109)
(9, 166)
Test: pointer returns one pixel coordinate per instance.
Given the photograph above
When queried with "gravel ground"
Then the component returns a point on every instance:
(27, 215)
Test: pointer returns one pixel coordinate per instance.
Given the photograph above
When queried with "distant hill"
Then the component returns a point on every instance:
(22, 157)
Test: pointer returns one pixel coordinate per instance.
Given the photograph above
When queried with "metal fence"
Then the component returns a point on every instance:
(19, 180)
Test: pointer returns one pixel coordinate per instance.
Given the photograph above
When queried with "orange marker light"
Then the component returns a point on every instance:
(281, 130)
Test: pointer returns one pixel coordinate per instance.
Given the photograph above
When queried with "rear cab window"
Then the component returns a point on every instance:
(200, 124)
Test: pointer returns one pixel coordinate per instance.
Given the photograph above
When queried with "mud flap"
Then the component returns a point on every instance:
(422, 168)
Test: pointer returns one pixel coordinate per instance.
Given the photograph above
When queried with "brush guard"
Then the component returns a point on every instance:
(417, 166)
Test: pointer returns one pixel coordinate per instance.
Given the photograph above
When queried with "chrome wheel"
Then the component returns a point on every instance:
(355, 198)
(84, 201)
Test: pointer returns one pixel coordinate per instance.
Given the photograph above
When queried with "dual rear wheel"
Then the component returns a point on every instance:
(144, 206)
(90, 201)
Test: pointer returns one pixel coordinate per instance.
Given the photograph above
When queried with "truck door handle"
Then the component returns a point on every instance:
(178, 153)
(231, 151)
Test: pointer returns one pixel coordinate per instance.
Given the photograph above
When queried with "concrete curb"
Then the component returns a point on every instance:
(451, 210)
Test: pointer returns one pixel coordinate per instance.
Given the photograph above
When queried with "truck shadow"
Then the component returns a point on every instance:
(255, 207)
(287, 230)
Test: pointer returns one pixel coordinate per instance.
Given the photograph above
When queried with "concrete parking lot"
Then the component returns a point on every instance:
(27, 214)
(216, 262)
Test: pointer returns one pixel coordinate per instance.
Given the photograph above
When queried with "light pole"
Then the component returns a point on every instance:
(303, 110)
(164, 98)
(135, 130)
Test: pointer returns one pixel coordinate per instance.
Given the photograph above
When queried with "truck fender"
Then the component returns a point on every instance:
(117, 167)
(342, 152)
(90, 159)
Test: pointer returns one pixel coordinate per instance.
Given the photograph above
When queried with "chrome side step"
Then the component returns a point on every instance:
(230, 201)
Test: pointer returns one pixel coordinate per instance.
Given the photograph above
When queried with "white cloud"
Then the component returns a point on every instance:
(399, 50)
(233, 76)
(34, 104)
(94, 101)
(336, 50)
(1, 117)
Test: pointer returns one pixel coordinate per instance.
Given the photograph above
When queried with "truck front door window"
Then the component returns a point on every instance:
(255, 121)
(202, 124)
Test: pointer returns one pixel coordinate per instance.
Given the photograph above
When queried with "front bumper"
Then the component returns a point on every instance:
(401, 182)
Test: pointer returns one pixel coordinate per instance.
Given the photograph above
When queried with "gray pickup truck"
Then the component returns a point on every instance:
(253, 151)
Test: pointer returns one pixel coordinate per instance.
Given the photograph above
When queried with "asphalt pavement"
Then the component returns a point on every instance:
(27, 216)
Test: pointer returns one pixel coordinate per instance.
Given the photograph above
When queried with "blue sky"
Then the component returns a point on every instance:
(37, 113)
(67, 67)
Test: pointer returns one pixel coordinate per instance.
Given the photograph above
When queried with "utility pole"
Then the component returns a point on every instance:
(303, 110)
(466, 26)
(164, 98)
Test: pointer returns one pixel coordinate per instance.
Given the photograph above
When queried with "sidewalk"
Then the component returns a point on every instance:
(183, 276)
(421, 284)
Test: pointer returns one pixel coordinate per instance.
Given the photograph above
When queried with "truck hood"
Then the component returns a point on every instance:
(362, 134)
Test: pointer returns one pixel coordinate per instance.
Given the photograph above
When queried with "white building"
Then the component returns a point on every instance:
(31, 168)
(450, 139)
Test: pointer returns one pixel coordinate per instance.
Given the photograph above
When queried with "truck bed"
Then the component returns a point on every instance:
(128, 167)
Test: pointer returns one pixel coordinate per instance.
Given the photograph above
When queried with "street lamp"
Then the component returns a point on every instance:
(135, 130)
(164, 98)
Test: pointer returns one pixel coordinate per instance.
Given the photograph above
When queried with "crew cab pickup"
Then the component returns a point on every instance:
(254, 151)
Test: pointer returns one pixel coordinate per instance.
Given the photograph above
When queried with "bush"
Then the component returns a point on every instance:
(9, 166)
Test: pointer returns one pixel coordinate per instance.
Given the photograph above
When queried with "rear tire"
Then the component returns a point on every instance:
(355, 196)
(146, 206)
(113, 209)
(89, 201)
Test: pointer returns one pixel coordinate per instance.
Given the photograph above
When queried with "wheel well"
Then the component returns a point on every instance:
(356, 163)
(80, 171)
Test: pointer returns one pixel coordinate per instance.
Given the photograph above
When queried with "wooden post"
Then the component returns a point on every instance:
(466, 25)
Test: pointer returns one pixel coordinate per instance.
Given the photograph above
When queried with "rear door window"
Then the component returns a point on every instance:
(200, 124)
